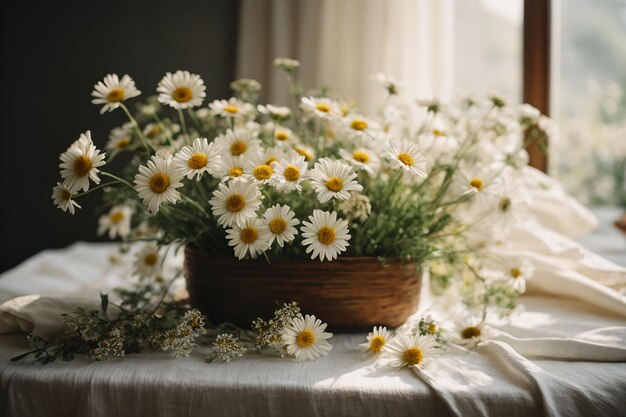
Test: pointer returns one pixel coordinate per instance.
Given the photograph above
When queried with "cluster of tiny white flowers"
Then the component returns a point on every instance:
(227, 347)
(356, 208)
(270, 332)
(180, 341)
(111, 347)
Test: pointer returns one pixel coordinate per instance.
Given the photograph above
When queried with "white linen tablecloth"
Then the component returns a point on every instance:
(506, 377)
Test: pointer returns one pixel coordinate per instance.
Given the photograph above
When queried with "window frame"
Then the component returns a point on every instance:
(536, 67)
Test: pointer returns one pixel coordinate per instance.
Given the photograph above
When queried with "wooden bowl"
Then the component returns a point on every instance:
(349, 293)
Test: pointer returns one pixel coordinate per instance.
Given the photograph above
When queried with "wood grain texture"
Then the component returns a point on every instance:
(350, 293)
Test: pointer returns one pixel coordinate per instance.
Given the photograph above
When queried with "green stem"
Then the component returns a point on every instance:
(115, 177)
(94, 189)
(181, 116)
(149, 148)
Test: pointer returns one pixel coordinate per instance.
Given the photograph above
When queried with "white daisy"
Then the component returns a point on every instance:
(235, 202)
(241, 141)
(289, 174)
(392, 85)
(157, 182)
(306, 151)
(471, 331)
(274, 154)
(284, 136)
(438, 146)
(478, 182)
(259, 169)
(306, 339)
(147, 261)
(80, 163)
(112, 91)
(233, 108)
(116, 221)
(253, 237)
(362, 158)
(275, 112)
(405, 155)
(281, 221)
(198, 158)
(360, 127)
(62, 197)
(120, 138)
(511, 205)
(517, 271)
(181, 90)
(410, 350)
(376, 340)
(231, 167)
(325, 235)
(333, 179)
(323, 108)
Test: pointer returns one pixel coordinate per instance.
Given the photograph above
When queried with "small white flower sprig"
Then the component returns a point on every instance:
(134, 325)
(288, 334)
(442, 184)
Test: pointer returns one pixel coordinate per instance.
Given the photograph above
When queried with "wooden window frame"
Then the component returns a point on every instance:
(536, 66)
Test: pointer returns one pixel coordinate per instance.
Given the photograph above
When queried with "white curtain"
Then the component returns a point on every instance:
(340, 43)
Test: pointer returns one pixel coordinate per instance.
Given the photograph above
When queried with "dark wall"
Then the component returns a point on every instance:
(51, 55)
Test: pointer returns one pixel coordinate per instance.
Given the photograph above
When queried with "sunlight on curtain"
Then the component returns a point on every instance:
(341, 43)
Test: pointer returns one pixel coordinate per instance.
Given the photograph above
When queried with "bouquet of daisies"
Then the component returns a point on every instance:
(436, 183)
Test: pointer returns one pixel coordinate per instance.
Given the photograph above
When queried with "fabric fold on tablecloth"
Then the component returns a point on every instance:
(40, 315)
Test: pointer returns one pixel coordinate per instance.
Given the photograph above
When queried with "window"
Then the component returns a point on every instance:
(588, 99)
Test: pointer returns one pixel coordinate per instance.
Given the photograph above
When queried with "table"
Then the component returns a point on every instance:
(494, 380)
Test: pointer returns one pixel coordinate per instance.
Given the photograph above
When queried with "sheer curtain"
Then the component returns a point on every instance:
(340, 43)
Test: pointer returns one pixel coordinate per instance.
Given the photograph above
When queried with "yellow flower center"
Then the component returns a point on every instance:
(115, 95)
(334, 184)
(438, 132)
(281, 135)
(326, 235)
(235, 203)
(432, 329)
(182, 94)
(278, 225)
(117, 217)
(248, 235)
(270, 160)
(324, 108)
(377, 343)
(123, 142)
(82, 165)
(263, 172)
(150, 259)
(406, 159)
(198, 161)
(238, 147)
(304, 153)
(159, 182)
(292, 173)
(516, 272)
(358, 124)
(470, 331)
(231, 109)
(65, 195)
(305, 338)
(476, 183)
(235, 172)
(361, 157)
(413, 356)
(153, 132)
